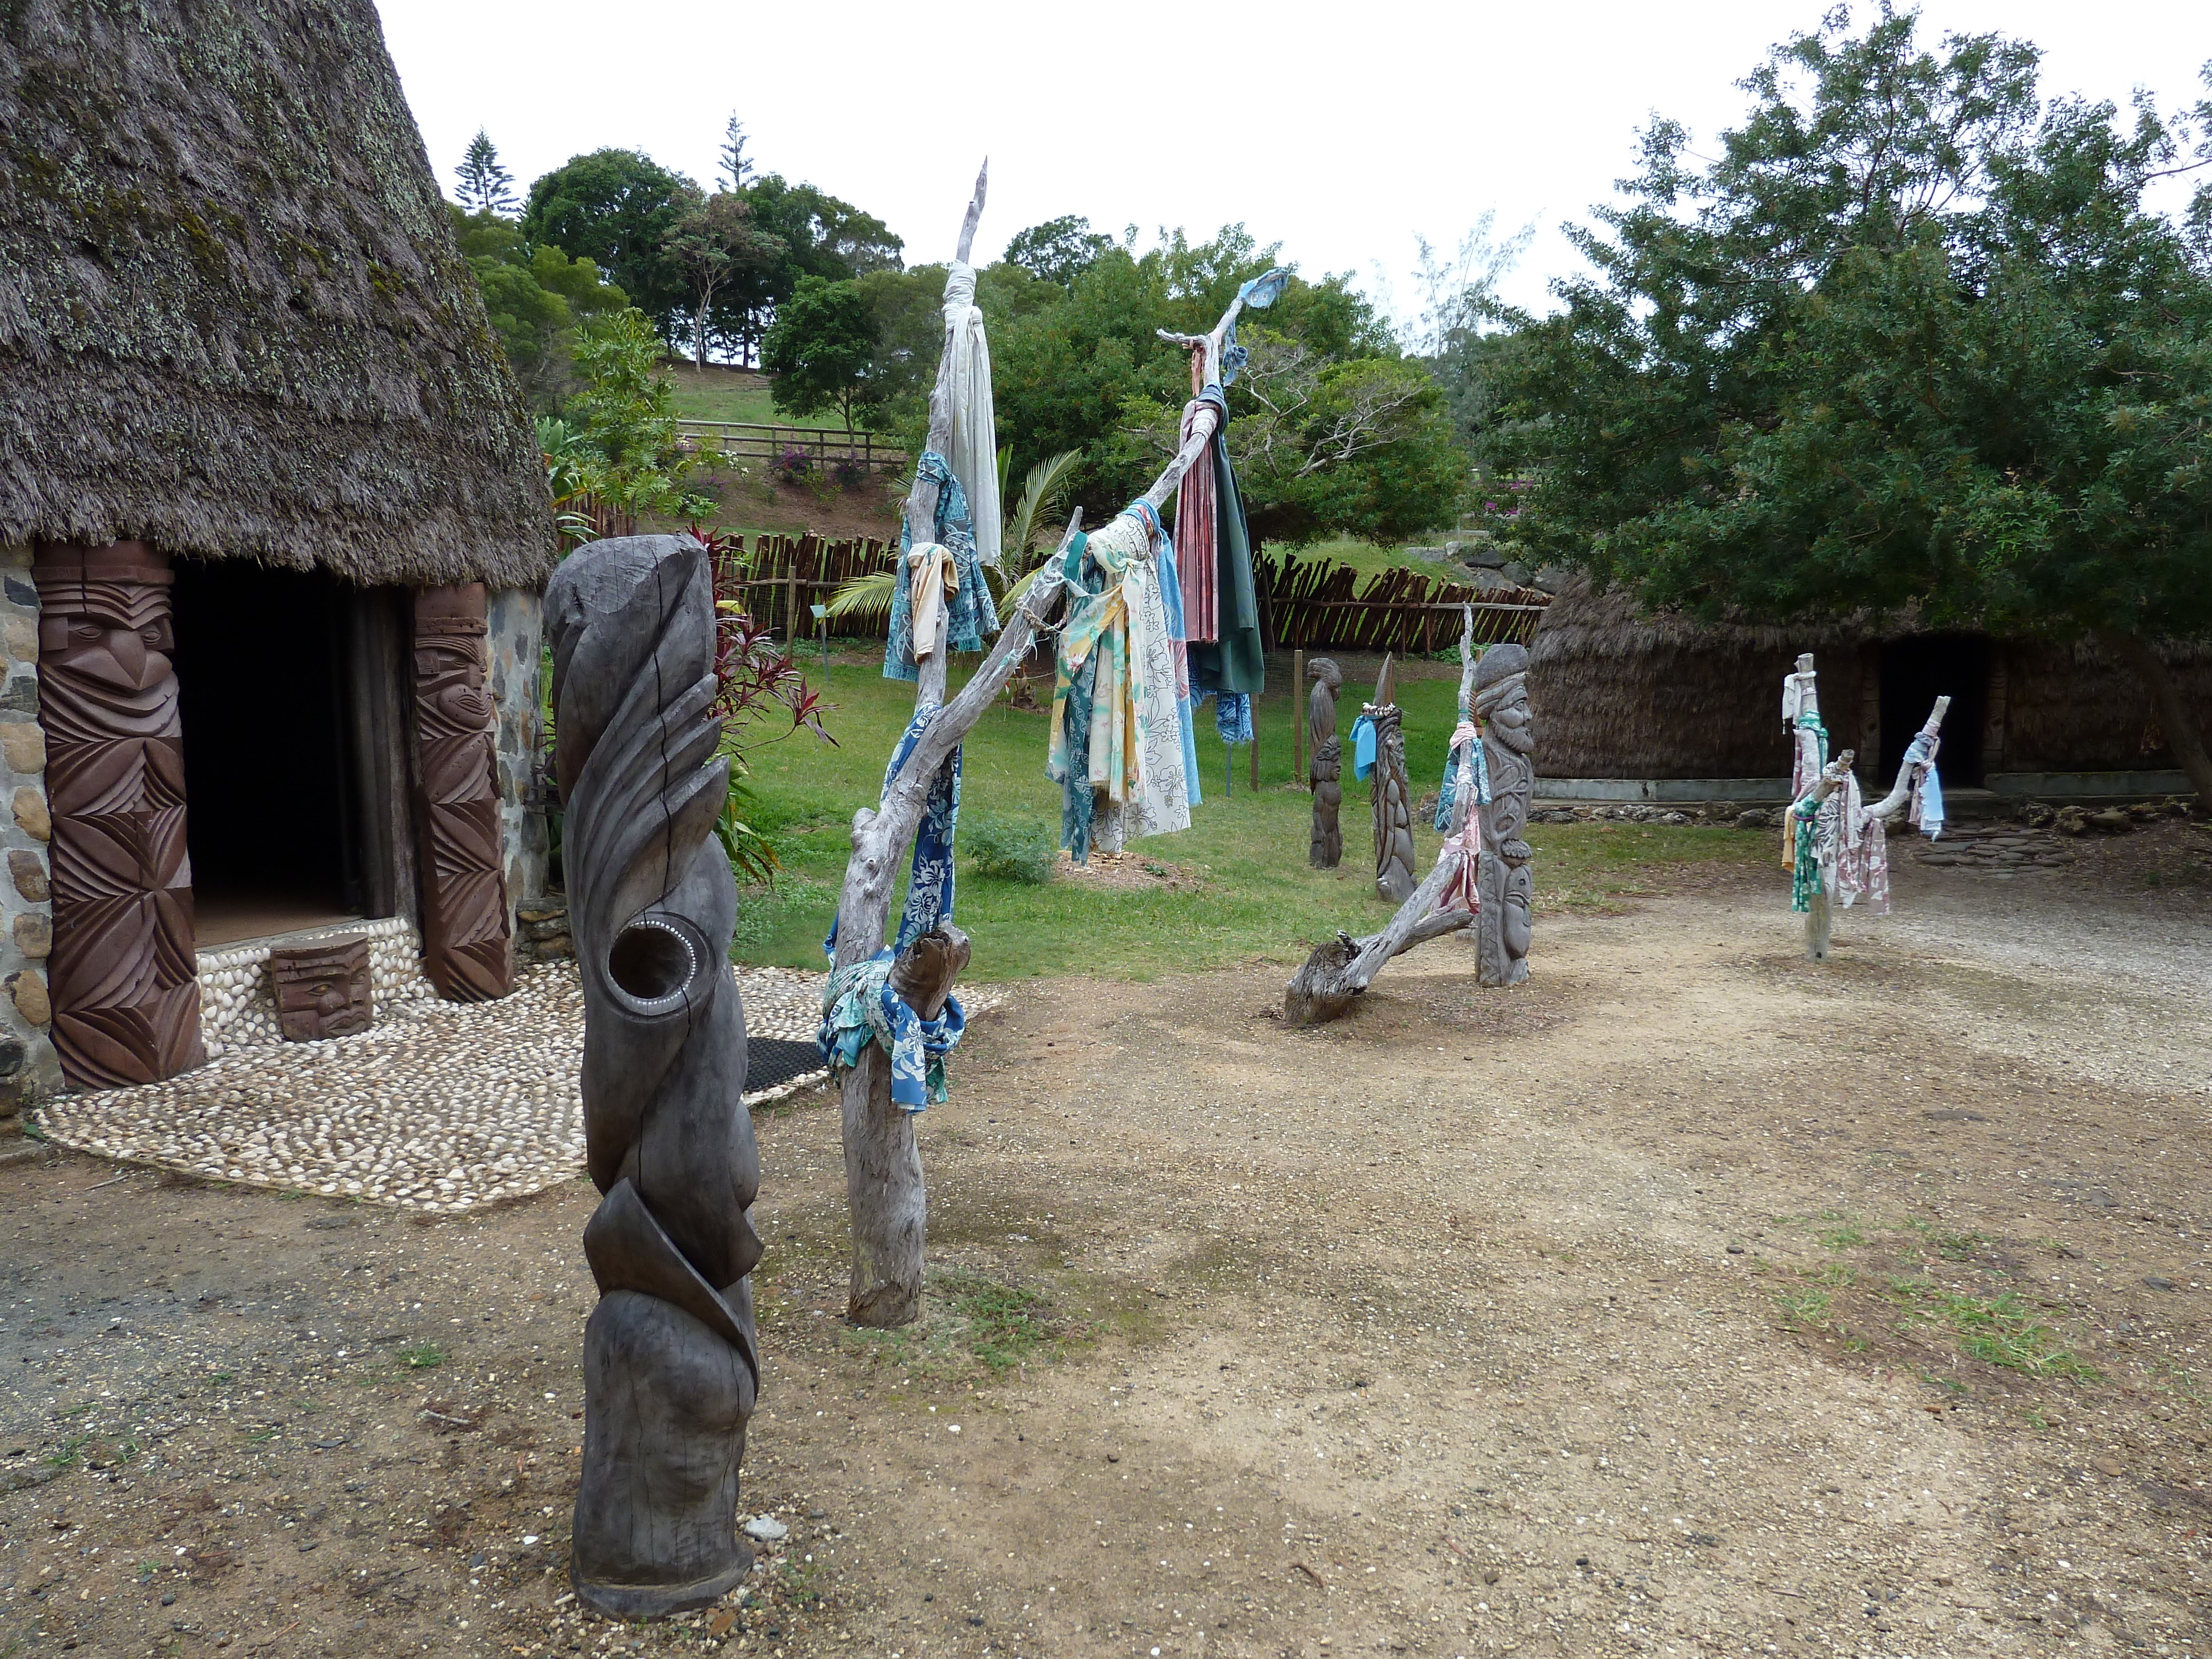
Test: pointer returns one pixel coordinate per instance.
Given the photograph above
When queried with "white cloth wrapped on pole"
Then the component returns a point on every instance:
(935, 579)
(975, 448)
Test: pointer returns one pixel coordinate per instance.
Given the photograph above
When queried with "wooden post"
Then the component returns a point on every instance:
(791, 631)
(1298, 720)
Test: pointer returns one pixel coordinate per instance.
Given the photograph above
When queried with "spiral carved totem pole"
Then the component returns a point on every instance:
(467, 949)
(671, 1369)
(1506, 884)
(126, 991)
(1326, 770)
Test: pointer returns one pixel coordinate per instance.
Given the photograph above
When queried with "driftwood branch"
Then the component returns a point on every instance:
(1908, 772)
(1820, 909)
(1211, 344)
(1341, 968)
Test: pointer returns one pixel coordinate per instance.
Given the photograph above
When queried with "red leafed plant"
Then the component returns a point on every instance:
(754, 680)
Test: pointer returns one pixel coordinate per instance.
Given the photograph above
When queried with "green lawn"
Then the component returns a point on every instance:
(1255, 897)
(723, 394)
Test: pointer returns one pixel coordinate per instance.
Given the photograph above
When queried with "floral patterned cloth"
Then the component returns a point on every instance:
(973, 614)
(858, 1003)
(1130, 752)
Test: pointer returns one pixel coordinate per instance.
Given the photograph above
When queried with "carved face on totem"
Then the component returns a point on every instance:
(104, 618)
(1503, 705)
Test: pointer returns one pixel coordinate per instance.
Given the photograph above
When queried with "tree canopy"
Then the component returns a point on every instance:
(617, 208)
(484, 187)
(534, 297)
(1913, 341)
(822, 349)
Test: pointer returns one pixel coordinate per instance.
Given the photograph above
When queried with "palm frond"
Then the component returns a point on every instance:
(867, 598)
(1041, 491)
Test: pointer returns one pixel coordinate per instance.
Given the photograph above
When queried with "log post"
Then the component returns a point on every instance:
(1297, 721)
(883, 1182)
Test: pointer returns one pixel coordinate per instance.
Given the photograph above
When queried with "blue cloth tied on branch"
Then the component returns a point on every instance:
(1363, 746)
(972, 614)
(858, 1003)
(1448, 794)
(1232, 716)
(1927, 786)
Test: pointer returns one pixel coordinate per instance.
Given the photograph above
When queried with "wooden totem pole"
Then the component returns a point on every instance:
(467, 946)
(1391, 797)
(1326, 770)
(1508, 886)
(125, 989)
(670, 1370)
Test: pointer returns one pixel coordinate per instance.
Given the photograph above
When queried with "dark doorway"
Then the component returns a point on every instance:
(268, 814)
(1915, 671)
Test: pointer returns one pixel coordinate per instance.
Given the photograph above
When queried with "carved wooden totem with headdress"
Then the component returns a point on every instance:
(1507, 886)
(467, 945)
(126, 988)
(1387, 789)
(1326, 770)
(670, 1367)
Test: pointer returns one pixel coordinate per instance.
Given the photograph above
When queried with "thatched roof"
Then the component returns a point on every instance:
(1619, 693)
(233, 318)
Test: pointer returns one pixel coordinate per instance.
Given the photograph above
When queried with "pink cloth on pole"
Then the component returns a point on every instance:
(1197, 561)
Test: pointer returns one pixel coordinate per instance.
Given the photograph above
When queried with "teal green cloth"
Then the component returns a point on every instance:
(1236, 660)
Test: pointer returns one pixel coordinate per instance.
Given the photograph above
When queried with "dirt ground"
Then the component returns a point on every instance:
(1692, 1300)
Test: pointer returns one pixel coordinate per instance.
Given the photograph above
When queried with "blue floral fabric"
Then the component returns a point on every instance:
(972, 614)
(1232, 716)
(1449, 792)
(859, 1005)
(1171, 598)
(1078, 806)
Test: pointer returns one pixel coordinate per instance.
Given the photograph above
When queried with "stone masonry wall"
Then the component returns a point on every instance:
(29, 1070)
(516, 617)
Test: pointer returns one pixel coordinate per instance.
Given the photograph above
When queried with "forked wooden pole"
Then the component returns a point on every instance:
(884, 1182)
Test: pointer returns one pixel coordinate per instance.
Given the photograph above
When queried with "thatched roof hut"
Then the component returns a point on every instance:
(1661, 699)
(233, 321)
(273, 532)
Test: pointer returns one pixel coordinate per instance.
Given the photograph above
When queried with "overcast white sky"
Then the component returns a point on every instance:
(1342, 131)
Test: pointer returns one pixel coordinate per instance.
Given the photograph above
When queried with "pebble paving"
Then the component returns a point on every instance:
(1997, 849)
(439, 1107)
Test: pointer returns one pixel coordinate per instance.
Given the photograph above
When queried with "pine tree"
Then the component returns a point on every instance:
(486, 187)
(735, 167)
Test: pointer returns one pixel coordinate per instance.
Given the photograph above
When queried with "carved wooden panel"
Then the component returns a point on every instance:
(125, 983)
(322, 990)
(467, 948)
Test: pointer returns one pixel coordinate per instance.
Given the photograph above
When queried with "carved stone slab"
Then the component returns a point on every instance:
(323, 989)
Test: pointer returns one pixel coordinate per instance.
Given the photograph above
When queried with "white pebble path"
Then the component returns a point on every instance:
(440, 1107)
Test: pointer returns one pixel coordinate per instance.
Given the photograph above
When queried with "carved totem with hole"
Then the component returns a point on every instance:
(1326, 770)
(1507, 884)
(126, 991)
(670, 1365)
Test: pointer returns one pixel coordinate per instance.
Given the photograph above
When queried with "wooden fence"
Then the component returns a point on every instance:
(1305, 605)
(765, 446)
(1302, 605)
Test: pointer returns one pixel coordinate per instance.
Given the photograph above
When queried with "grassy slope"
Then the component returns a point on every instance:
(720, 394)
(1257, 898)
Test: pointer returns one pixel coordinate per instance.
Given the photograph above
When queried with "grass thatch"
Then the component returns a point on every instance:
(2074, 707)
(233, 318)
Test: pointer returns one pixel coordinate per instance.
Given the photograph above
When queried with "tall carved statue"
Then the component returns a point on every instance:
(126, 991)
(467, 949)
(1394, 807)
(671, 1369)
(1507, 886)
(1326, 770)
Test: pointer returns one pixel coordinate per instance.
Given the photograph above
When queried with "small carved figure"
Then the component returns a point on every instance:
(125, 990)
(1326, 770)
(1393, 811)
(467, 949)
(322, 990)
(1506, 884)
(670, 1370)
